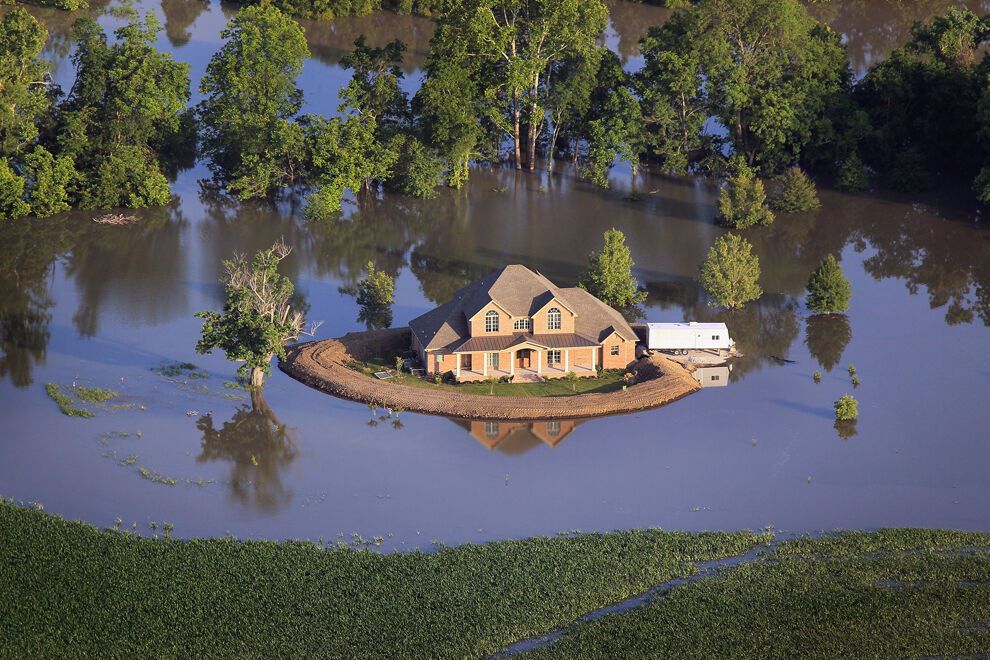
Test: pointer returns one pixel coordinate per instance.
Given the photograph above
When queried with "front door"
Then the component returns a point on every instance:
(466, 361)
(523, 357)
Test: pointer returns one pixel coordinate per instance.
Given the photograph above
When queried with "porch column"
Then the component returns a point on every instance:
(594, 357)
(484, 361)
(539, 361)
(512, 363)
(457, 359)
(567, 354)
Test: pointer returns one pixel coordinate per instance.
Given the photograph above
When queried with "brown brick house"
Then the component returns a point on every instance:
(514, 322)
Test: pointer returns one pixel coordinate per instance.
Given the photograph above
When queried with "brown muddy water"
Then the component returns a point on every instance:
(106, 306)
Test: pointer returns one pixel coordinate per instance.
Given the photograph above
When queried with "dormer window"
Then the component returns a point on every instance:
(521, 324)
(553, 319)
(491, 321)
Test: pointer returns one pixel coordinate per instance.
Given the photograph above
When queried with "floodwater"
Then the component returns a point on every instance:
(107, 306)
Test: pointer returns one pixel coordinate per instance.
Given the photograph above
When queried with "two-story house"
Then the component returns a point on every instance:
(514, 322)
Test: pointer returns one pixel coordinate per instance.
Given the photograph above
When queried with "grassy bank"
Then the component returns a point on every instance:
(68, 589)
(895, 593)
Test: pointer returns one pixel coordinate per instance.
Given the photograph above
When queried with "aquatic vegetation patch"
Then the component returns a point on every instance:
(157, 477)
(65, 403)
(179, 369)
(258, 598)
(892, 593)
(94, 394)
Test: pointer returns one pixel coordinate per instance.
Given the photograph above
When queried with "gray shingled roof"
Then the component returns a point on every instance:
(521, 292)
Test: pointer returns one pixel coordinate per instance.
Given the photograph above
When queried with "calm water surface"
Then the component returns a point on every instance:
(105, 306)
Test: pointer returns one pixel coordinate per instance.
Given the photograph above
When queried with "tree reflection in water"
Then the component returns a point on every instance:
(826, 337)
(259, 448)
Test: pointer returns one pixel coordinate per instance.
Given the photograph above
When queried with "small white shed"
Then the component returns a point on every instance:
(687, 336)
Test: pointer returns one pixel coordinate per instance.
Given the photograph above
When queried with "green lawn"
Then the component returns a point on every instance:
(69, 590)
(609, 381)
(891, 594)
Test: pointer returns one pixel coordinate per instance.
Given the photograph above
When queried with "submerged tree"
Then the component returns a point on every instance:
(795, 192)
(742, 201)
(609, 275)
(846, 408)
(828, 289)
(251, 97)
(731, 273)
(258, 318)
(373, 293)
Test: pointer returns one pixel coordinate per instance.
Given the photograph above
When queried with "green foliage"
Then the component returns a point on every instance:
(250, 99)
(23, 102)
(51, 179)
(828, 289)
(795, 193)
(12, 204)
(94, 394)
(817, 376)
(321, 9)
(851, 369)
(846, 408)
(742, 201)
(65, 403)
(616, 134)
(128, 177)
(262, 598)
(418, 171)
(374, 294)
(609, 275)
(853, 175)
(730, 273)
(258, 318)
(888, 594)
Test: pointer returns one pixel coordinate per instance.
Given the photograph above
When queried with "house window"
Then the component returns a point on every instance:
(491, 321)
(439, 359)
(521, 324)
(553, 429)
(553, 357)
(614, 349)
(492, 360)
(716, 378)
(553, 319)
(714, 337)
(491, 429)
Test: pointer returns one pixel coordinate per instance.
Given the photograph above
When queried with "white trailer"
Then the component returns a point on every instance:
(682, 337)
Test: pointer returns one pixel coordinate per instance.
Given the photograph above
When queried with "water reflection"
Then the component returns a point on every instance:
(259, 448)
(514, 438)
(179, 17)
(133, 268)
(826, 337)
(713, 376)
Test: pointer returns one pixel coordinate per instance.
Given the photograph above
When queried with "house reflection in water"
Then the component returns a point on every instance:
(511, 437)
(712, 376)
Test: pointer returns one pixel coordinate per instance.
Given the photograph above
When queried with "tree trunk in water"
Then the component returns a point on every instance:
(531, 138)
(516, 111)
(257, 376)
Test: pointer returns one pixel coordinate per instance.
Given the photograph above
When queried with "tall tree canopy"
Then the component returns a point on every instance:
(609, 276)
(508, 49)
(251, 99)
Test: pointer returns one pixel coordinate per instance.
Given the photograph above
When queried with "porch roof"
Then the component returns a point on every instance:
(499, 343)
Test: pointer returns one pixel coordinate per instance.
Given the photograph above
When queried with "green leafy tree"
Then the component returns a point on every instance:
(51, 181)
(770, 70)
(24, 100)
(846, 408)
(125, 111)
(853, 175)
(258, 317)
(374, 295)
(609, 275)
(508, 49)
(12, 186)
(569, 99)
(828, 289)
(616, 135)
(731, 273)
(418, 171)
(670, 87)
(795, 192)
(251, 97)
(742, 201)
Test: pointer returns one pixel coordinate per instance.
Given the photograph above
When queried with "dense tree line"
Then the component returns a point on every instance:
(108, 141)
(745, 89)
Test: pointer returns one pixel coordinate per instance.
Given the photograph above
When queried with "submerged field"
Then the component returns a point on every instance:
(68, 586)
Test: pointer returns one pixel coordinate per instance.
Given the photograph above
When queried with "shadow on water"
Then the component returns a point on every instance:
(258, 446)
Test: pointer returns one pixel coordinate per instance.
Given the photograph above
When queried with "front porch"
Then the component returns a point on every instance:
(527, 363)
